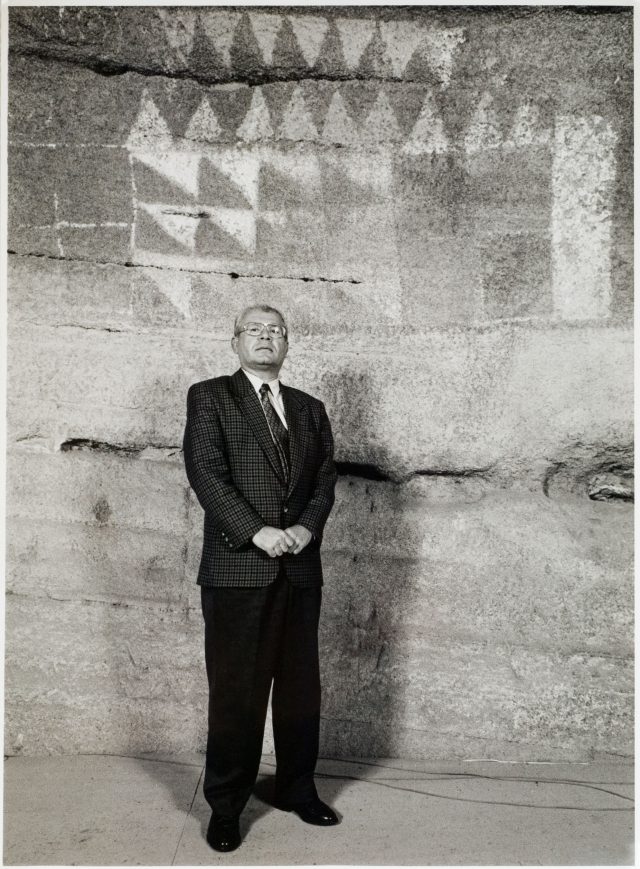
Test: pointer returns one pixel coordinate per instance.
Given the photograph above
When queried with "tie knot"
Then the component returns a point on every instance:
(264, 389)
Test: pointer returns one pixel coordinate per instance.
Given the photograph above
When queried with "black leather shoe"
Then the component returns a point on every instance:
(223, 834)
(314, 811)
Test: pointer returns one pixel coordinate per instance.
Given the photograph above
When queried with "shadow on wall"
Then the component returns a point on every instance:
(363, 638)
(367, 586)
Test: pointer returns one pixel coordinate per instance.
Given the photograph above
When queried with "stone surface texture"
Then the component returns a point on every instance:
(440, 200)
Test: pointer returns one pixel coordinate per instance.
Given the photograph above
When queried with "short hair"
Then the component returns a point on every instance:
(269, 309)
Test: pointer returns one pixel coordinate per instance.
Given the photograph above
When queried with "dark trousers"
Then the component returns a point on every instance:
(254, 636)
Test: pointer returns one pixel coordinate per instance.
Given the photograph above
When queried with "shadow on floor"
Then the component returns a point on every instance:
(170, 775)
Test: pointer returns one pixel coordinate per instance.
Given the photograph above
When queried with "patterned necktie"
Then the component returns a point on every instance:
(279, 433)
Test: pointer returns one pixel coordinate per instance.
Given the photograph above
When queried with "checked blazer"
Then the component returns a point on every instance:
(233, 468)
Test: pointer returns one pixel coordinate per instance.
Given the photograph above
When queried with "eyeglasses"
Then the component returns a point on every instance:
(256, 329)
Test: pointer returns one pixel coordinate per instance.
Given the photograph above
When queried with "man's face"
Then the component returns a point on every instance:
(261, 352)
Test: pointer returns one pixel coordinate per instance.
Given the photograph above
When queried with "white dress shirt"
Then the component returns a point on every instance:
(275, 396)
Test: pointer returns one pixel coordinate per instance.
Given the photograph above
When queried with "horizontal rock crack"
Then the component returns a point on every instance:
(108, 68)
(234, 275)
(116, 448)
(368, 471)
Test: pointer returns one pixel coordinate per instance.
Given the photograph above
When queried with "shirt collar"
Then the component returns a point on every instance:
(256, 382)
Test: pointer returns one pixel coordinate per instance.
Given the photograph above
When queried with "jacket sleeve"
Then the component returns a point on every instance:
(316, 513)
(209, 474)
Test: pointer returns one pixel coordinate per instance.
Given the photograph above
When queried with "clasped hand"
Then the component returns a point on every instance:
(276, 541)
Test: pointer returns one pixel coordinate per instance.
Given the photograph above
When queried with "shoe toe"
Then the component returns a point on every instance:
(317, 812)
(223, 834)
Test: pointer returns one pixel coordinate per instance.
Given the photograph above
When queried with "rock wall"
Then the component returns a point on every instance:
(440, 201)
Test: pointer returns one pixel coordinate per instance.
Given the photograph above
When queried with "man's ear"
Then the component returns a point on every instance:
(234, 343)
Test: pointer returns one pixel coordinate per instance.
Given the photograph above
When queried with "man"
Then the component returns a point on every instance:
(259, 456)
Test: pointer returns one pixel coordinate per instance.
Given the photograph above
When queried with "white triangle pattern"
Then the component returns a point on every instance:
(310, 33)
(220, 28)
(179, 30)
(180, 227)
(401, 39)
(265, 29)
(297, 123)
(439, 49)
(176, 286)
(203, 126)
(241, 167)
(428, 135)
(239, 223)
(180, 167)
(257, 122)
(150, 140)
(355, 35)
(149, 129)
(381, 124)
(338, 125)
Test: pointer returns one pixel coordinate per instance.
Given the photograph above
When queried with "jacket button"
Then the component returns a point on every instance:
(286, 509)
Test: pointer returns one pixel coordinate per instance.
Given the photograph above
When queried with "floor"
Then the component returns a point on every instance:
(105, 810)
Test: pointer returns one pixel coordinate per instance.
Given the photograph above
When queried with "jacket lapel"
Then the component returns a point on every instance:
(249, 404)
(296, 414)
